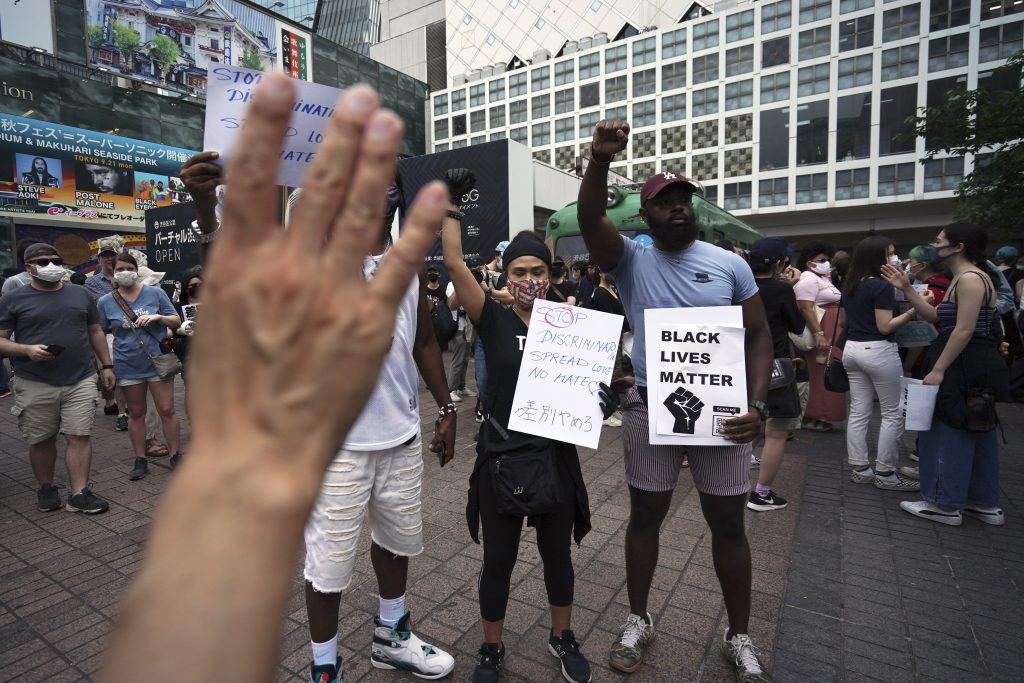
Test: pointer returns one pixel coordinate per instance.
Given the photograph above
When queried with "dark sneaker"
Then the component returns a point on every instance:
(575, 667)
(111, 410)
(489, 660)
(49, 498)
(397, 647)
(895, 481)
(769, 501)
(139, 470)
(88, 502)
(479, 415)
(122, 423)
(628, 651)
(327, 673)
(745, 658)
(175, 460)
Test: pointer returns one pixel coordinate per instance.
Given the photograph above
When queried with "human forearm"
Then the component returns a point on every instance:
(12, 348)
(431, 366)
(98, 341)
(592, 199)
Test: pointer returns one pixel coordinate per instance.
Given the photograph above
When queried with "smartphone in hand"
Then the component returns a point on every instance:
(55, 349)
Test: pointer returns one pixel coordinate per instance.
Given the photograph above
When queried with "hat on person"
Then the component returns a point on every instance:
(150, 277)
(113, 243)
(502, 246)
(659, 181)
(769, 249)
(40, 249)
(1007, 253)
(433, 269)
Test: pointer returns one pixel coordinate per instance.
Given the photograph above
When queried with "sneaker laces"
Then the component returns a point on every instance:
(569, 643)
(746, 654)
(488, 658)
(632, 631)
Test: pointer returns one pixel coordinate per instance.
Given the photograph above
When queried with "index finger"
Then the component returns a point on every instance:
(200, 158)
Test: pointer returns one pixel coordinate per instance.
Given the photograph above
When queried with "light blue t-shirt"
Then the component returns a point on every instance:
(130, 361)
(701, 275)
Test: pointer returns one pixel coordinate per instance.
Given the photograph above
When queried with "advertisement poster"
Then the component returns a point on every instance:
(77, 245)
(173, 45)
(28, 23)
(172, 247)
(54, 172)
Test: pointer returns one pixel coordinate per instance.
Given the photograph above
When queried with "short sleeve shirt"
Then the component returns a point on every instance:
(813, 287)
(871, 295)
(130, 361)
(98, 284)
(700, 275)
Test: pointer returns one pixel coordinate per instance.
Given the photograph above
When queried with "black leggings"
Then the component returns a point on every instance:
(501, 547)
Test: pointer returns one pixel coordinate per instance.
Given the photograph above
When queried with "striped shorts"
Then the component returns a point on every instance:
(716, 470)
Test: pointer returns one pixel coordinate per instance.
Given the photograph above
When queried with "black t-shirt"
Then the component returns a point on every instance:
(782, 313)
(503, 335)
(436, 296)
(871, 295)
(565, 287)
(605, 301)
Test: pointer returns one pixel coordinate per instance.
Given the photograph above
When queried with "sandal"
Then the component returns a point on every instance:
(155, 449)
(685, 463)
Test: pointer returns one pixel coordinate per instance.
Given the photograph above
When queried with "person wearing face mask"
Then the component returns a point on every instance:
(919, 271)
(561, 290)
(503, 331)
(151, 314)
(435, 293)
(58, 335)
(815, 288)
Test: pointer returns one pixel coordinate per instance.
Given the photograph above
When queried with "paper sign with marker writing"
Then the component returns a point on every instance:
(228, 94)
(696, 373)
(568, 352)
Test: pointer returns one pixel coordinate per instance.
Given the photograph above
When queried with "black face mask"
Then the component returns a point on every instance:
(433, 277)
(557, 271)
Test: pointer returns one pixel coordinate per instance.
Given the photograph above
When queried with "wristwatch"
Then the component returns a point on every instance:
(761, 407)
(107, 367)
(204, 237)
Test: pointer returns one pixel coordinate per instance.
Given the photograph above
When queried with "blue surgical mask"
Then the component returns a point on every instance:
(933, 254)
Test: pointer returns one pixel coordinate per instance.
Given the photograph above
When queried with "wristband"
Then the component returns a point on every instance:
(446, 410)
(204, 237)
(107, 367)
(819, 334)
(457, 215)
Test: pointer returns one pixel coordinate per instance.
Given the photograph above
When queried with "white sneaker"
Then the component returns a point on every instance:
(466, 393)
(992, 516)
(456, 397)
(745, 658)
(613, 421)
(398, 648)
(925, 510)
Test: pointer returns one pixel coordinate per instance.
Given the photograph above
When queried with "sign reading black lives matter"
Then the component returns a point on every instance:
(170, 244)
(696, 373)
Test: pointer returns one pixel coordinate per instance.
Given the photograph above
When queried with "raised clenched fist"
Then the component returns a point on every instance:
(685, 408)
(610, 137)
(459, 181)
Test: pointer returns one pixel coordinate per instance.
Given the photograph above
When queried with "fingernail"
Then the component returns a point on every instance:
(277, 87)
(381, 127)
(436, 195)
(360, 101)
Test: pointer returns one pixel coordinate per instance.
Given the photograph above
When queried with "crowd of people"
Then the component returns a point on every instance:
(312, 426)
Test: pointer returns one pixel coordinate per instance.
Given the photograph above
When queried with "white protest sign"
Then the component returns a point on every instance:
(917, 403)
(696, 373)
(228, 94)
(568, 352)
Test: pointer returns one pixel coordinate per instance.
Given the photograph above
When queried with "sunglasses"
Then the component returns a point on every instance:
(193, 290)
(43, 262)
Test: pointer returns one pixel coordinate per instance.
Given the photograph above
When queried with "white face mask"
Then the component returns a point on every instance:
(126, 278)
(822, 268)
(894, 261)
(50, 273)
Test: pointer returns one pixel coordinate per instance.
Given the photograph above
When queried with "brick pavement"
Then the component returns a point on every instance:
(61, 576)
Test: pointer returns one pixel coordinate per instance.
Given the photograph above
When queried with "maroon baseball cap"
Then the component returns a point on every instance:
(659, 181)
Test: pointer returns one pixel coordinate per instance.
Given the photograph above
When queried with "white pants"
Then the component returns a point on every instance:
(874, 368)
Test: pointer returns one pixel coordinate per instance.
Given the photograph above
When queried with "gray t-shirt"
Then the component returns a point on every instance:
(15, 281)
(60, 317)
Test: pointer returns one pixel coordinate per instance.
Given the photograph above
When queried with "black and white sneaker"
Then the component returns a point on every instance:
(87, 502)
(575, 667)
(993, 516)
(489, 661)
(925, 510)
(327, 673)
(771, 501)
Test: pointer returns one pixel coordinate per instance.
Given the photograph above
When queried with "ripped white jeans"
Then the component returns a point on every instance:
(382, 485)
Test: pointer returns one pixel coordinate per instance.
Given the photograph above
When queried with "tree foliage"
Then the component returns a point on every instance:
(251, 59)
(165, 51)
(987, 123)
(95, 35)
(126, 39)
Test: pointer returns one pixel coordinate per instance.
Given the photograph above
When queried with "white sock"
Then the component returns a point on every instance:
(391, 610)
(325, 653)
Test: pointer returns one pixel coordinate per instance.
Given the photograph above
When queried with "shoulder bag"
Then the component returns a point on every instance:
(783, 395)
(836, 379)
(166, 365)
(525, 480)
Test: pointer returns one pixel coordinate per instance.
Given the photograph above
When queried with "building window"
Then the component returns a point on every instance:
(855, 71)
(615, 89)
(705, 166)
(517, 112)
(645, 145)
(540, 79)
(739, 95)
(812, 133)
(673, 76)
(645, 83)
(215, 43)
(565, 71)
(476, 95)
(564, 100)
(673, 140)
(853, 127)
(542, 155)
(943, 174)
(739, 60)
(644, 170)
(739, 129)
(811, 188)
(941, 90)
(847, 6)
(813, 10)
(517, 85)
(496, 90)
(775, 52)
(739, 26)
(565, 129)
(738, 162)
(441, 129)
(737, 195)
(459, 124)
(774, 145)
(458, 100)
(673, 44)
(588, 122)
(853, 184)
(644, 51)
(812, 80)
(775, 87)
(999, 8)
(948, 52)
(590, 66)
(615, 59)
(895, 135)
(478, 140)
(705, 135)
(1000, 42)
(519, 135)
(497, 116)
(857, 33)
(644, 113)
(711, 195)
(540, 106)
(500, 135)
(615, 113)
(776, 16)
(815, 42)
(902, 22)
(541, 134)
(705, 35)
(773, 192)
(896, 179)
(441, 148)
(949, 14)
(440, 105)
(590, 95)
(705, 69)
(900, 62)
(705, 101)
(673, 108)
(477, 121)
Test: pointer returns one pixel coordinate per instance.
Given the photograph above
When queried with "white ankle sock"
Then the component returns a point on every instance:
(325, 653)
(391, 610)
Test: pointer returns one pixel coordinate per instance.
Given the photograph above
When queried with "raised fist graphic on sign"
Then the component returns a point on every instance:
(685, 408)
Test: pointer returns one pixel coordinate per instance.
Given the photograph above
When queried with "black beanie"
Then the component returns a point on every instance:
(526, 246)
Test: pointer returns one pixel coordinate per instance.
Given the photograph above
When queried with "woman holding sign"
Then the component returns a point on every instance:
(558, 507)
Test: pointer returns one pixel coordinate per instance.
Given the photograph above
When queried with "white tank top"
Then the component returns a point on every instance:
(392, 415)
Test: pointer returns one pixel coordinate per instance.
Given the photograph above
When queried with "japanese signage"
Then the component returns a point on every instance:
(172, 247)
(27, 23)
(294, 51)
(696, 373)
(568, 352)
(51, 172)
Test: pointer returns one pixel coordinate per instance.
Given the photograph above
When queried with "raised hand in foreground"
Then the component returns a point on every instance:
(292, 342)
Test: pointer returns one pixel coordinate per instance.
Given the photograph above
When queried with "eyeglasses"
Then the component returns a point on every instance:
(43, 262)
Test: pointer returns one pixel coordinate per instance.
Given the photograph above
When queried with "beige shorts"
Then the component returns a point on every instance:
(789, 424)
(44, 410)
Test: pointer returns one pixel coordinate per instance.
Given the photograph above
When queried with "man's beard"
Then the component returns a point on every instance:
(674, 237)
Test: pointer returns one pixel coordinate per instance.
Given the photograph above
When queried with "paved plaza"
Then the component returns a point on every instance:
(846, 586)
